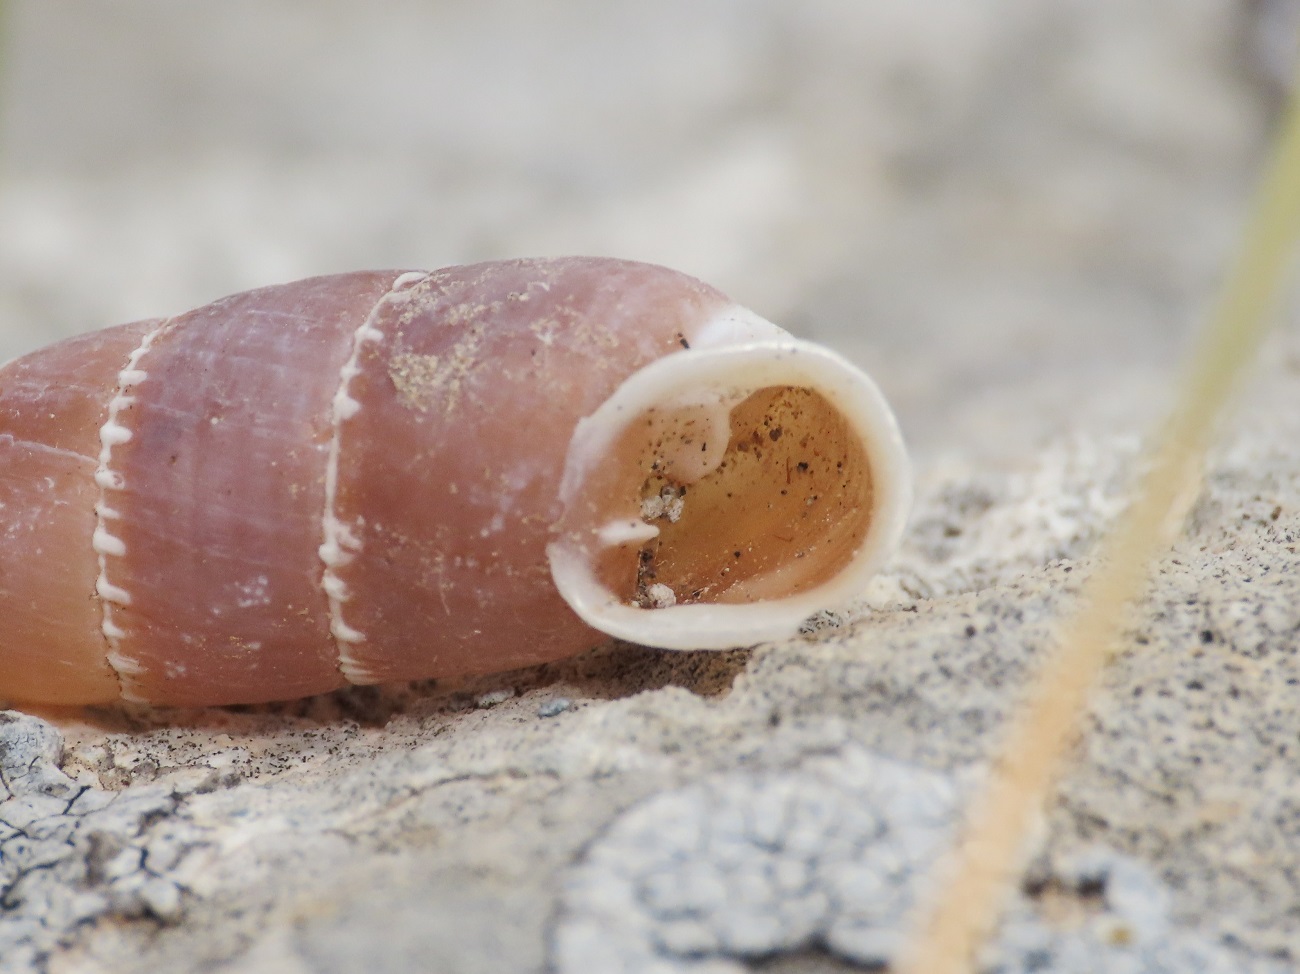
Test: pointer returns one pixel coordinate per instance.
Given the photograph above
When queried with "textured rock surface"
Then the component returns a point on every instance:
(1011, 211)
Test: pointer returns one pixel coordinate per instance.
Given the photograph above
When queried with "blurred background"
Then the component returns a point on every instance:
(1010, 211)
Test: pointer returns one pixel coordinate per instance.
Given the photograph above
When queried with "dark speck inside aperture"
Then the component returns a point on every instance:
(774, 434)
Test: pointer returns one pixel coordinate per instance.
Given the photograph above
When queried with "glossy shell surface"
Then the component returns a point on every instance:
(395, 475)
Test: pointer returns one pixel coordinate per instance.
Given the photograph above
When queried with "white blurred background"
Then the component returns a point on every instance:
(966, 196)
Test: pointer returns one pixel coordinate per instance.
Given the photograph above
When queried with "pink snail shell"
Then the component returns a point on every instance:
(387, 476)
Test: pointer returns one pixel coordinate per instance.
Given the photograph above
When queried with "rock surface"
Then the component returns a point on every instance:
(1012, 212)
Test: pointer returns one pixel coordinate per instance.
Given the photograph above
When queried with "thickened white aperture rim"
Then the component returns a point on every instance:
(728, 370)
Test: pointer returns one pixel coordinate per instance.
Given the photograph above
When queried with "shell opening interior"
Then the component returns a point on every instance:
(731, 499)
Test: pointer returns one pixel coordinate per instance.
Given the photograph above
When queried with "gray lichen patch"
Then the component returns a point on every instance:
(739, 872)
(72, 854)
(741, 867)
(1107, 912)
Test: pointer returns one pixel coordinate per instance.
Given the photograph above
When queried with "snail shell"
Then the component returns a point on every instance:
(387, 476)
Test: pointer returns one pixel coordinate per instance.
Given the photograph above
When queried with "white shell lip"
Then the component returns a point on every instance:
(775, 358)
